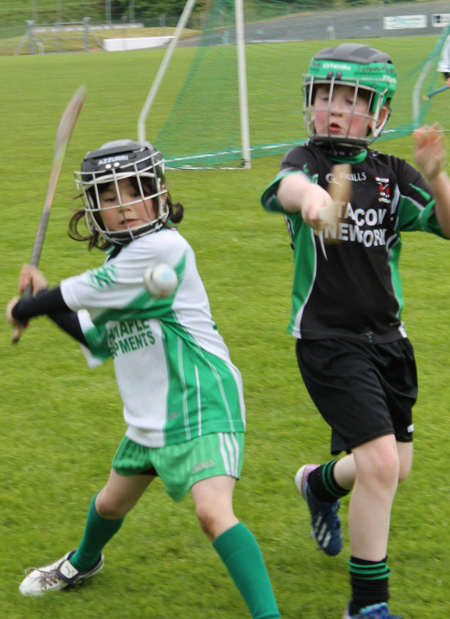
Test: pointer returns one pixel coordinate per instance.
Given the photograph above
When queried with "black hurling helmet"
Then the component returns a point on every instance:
(368, 71)
(111, 163)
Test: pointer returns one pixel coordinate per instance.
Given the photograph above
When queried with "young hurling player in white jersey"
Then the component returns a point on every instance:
(182, 395)
(352, 350)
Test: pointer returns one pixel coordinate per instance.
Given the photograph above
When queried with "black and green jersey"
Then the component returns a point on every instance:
(352, 287)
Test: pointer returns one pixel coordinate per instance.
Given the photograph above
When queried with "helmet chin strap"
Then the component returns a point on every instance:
(383, 117)
(339, 148)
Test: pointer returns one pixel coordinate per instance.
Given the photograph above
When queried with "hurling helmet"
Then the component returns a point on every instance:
(108, 165)
(368, 71)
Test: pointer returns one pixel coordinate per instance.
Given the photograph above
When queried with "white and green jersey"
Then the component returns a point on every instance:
(173, 368)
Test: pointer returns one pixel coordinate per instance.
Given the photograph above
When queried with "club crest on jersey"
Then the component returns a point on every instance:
(384, 191)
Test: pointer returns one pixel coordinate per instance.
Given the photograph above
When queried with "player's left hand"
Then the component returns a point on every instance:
(9, 309)
(429, 150)
(317, 207)
(31, 275)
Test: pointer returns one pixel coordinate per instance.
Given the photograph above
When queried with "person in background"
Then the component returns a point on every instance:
(444, 62)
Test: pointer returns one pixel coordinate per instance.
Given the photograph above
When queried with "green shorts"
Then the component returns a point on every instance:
(182, 465)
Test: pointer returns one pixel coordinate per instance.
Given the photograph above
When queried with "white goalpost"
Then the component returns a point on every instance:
(242, 80)
(162, 70)
(242, 77)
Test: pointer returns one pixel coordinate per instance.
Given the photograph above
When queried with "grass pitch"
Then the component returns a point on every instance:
(61, 422)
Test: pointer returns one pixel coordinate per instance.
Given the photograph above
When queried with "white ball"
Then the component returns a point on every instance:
(160, 281)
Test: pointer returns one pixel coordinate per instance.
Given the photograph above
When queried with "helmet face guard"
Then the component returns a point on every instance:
(369, 72)
(111, 163)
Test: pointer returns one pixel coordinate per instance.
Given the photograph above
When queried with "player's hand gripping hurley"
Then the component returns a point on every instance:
(63, 135)
(339, 190)
(435, 92)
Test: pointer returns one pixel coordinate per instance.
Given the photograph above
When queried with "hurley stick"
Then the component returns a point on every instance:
(340, 190)
(435, 92)
(63, 135)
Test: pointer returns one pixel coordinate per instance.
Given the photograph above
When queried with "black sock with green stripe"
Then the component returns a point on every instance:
(323, 484)
(370, 584)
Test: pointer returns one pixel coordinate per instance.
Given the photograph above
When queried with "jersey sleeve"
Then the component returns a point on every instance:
(416, 204)
(295, 161)
(115, 291)
(97, 350)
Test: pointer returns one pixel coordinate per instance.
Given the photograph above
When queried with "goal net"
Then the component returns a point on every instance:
(204, 127)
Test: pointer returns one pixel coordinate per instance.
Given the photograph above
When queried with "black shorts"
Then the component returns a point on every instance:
(362, 390)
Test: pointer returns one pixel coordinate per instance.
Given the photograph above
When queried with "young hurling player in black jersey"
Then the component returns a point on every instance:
(352, 349)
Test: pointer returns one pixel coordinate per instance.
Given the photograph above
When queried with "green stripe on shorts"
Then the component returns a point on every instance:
(182, 465)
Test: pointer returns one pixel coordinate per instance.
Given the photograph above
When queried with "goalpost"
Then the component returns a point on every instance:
(162, 69)
(242, 77)
(242, 97)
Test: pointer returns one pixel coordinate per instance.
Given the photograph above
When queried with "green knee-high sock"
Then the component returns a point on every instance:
(240, 552)
(97, 533)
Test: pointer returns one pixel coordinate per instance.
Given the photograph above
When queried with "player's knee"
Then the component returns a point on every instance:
(381, 469)
(405, 452)
(386, 472)
(214, 521)
(403, 474)
(108, 506)
(405, 469)
(207, 519)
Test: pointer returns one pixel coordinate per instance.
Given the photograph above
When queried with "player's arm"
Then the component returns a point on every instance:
(296, 193)
(42, 302)
(440, 188)
(51, 304)
(429, 155)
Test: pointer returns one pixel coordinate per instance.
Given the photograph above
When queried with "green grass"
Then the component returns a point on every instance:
(61, 422)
